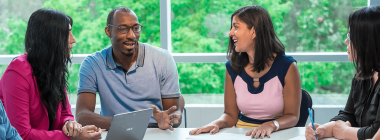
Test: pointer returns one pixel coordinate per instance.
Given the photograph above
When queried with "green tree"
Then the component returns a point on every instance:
(202, 26)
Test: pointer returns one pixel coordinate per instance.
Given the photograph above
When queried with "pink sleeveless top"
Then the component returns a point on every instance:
(266, 102)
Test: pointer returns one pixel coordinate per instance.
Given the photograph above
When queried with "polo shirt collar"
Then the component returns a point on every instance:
(140, 57)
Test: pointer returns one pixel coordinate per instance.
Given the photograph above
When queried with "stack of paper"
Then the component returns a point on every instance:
(302, 137)
(219, 136)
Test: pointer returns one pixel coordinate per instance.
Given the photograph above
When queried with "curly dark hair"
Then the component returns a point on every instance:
(364, 33)
(266, 42)
(46, 45)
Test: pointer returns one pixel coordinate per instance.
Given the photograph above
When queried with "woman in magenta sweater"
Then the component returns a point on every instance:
(33, 87)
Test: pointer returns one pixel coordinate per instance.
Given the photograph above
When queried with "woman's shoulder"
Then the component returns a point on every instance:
(228, 63)
(229, 68)
(286, 58)
(231, 71)
(281, 66)
(20, 65)
(18, 72)
(283, 62)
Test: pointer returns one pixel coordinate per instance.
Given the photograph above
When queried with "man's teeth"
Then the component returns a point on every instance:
(235, 40)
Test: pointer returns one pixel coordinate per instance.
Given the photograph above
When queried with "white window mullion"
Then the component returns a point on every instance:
(373, 2)
(165, 25)
(219, 57)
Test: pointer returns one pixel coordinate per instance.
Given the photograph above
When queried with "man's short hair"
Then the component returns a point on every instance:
(111, 14)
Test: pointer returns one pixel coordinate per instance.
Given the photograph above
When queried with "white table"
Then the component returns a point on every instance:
(183, 133)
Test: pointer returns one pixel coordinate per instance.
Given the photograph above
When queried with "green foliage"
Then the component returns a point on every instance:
(321, 26)
(12, 41)
(320, 77)
(201, 77)
(203, 26)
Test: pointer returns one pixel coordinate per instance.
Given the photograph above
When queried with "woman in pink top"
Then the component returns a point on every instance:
(33, 87)
(263, 85)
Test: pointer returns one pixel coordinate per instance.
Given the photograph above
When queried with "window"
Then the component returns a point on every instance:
(302, 26)
(89, 16)
(199, 33)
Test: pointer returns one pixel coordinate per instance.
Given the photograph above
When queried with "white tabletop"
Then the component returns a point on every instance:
(295, 133)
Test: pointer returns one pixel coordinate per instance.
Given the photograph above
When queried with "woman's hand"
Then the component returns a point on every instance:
(263, 130)
(320, 130)
(72, 128)
(86, 133)
(339, 127)
(212, 128)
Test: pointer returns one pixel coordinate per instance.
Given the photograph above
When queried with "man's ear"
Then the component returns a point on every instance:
(253, 32)
(108, 31)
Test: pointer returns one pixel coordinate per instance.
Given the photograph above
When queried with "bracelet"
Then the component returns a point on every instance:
(276, 124)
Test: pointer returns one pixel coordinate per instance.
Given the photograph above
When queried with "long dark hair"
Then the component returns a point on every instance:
(266, 43)
(46, 45)
(364, 29)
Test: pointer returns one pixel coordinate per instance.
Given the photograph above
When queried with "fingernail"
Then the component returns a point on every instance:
(67, 134)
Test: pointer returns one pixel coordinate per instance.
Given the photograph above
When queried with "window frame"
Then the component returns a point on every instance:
(165, 32)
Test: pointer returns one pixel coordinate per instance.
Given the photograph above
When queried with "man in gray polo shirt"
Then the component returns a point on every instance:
(128, 76)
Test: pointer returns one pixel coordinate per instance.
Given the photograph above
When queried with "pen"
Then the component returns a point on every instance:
(97, 130)
(312, 122)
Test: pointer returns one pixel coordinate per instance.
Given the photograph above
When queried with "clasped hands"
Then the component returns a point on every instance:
(338, 130)
(76, 132)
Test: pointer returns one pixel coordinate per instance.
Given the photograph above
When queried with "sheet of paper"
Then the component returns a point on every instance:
(302, 137)
(219, 136)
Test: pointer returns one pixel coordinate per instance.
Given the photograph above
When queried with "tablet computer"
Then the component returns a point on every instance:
(129, 126)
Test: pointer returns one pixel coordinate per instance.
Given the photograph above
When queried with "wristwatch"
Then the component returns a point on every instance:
(276, 124)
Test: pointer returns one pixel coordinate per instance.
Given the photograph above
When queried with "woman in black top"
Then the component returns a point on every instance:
(377, 136)
(360, 119)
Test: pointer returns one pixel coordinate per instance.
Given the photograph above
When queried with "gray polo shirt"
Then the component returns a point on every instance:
(151, 78)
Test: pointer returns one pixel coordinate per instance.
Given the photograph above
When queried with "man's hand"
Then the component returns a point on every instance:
(165, 119)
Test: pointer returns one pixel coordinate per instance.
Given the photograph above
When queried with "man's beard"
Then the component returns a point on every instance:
(128, 54)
